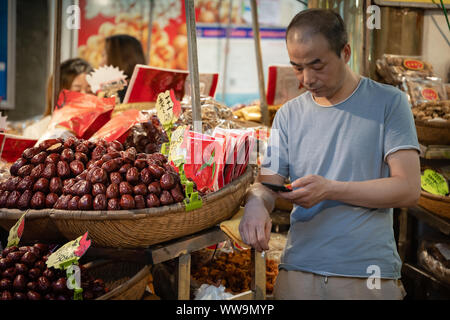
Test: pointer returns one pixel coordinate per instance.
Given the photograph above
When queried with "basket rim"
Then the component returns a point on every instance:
(14, 214)
(433, 124)
(150, 212)
(434, 197)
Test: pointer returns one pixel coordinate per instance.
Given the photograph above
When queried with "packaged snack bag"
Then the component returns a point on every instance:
(420, 90)
(81, 113)
(394, 67)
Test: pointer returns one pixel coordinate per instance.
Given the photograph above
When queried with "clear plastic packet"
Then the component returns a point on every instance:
(420, 90)
(392, 68)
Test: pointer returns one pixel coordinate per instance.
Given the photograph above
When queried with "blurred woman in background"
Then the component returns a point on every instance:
(124, 52)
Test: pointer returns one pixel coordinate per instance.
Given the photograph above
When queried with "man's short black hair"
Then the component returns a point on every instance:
(322, 21)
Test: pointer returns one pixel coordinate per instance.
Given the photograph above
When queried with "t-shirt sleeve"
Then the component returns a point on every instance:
(399, 128)
(276, 157)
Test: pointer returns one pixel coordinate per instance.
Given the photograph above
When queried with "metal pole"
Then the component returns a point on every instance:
(57, 53)
(150, 30)
(193, 65)
(262, 90)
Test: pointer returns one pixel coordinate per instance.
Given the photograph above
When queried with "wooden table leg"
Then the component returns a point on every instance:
(258, 268)
(184, 277)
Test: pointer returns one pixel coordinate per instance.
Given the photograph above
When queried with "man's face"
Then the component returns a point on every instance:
(317, 67)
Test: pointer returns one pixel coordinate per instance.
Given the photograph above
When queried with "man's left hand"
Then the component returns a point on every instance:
(308, 191)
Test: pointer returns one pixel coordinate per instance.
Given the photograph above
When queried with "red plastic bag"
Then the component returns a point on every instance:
(81, 113)
(12, 146)
(119, 126)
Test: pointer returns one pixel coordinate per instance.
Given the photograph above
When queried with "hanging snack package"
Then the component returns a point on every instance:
(394, 67)
(204, 162)
(82, 114)
(245, 141)
(430, 89)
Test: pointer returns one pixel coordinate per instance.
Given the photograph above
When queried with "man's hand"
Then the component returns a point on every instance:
(308, 191)
(256, 225)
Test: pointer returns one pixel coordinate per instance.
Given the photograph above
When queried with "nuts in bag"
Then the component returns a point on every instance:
(420, 90)
(392, 68)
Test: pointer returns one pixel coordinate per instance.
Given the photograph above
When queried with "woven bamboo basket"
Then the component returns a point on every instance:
(38, 225)
(125, 280)
(433, 133)
(142, 228)
(439, 205)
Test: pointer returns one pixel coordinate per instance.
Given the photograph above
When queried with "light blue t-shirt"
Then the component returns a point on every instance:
(345, 142)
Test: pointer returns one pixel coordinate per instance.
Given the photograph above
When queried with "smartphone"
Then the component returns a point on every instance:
(277, 187)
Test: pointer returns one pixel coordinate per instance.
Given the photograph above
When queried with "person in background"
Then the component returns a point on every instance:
(124, 52)
(349, 146)
(73, 77)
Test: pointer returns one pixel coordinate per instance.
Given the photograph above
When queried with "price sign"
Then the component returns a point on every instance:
(168, 108)
(434, 183)
(16, 232)
(69, 253)
(176, 140)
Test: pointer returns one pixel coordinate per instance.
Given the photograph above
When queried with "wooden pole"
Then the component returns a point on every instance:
(57, 53)
(193, 65)
(150, 30)
(259, 65)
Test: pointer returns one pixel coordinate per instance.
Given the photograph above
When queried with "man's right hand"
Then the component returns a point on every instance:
(256, 225)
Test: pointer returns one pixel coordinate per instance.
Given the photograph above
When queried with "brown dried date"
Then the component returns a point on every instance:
(152, 200)
(98, 188)
(165, 198)
(99, 175)
(177, 194)
(82, 147)
(146, 176)
(132, 175)
(38, 200)
(11, 202)
(139, 201)
(25, 170)
(82, 176)
(41, 185)
(30, 152)
(90, 164)
(156, 171)
(100, 202)
(12, 183)
(158, 156)
(167, 181)
(98, 152)
(114, 154)
(63, 169)
(50, 200)
(39, 158)
(56, 148)
(127, 202)
(81, 188)
(106, 157)
(81, 157)
(53, 158)
(115, 177)
(37, 171)
(26, 184)
(67, 155)
(140, 189)
(24, 200)
(110, 166)
(73, 203)
(116, 145)
(112, 191)
(76, 167)
(63, 202)
(85, 202)
(140, 163)
(125, 188)
(67, 185)
(44, 145)
(17, 165)
(49, 171)
(113, 204)
(123, 169)
(154, 187)
(56, 185)
(119, 162)
(3, 197)
(71, 142)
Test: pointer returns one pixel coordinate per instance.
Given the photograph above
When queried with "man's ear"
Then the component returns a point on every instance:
(346, 53)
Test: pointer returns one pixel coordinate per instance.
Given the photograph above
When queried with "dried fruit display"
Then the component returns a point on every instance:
(89, 176)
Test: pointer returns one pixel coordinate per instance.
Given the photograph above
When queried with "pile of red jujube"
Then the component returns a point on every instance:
(24, 276)
(147, 137)
(75, 174)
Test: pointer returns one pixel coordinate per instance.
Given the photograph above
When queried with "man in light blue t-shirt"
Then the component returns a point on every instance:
(349, 146)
